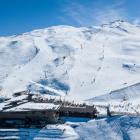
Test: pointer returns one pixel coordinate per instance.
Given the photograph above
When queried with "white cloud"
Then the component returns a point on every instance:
(108, 15)
(86, 16)
(136, 21)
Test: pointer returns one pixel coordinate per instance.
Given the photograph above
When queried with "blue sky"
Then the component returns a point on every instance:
(18, 16)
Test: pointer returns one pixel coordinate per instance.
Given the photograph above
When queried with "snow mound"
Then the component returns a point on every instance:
(115, 128)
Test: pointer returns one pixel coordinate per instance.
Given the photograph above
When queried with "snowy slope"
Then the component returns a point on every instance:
(79, 62)
(131, 92)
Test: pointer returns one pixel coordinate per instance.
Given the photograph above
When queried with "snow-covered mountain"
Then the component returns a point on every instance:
(81, 63)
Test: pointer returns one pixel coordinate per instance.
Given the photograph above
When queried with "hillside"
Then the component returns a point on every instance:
(81, 63)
